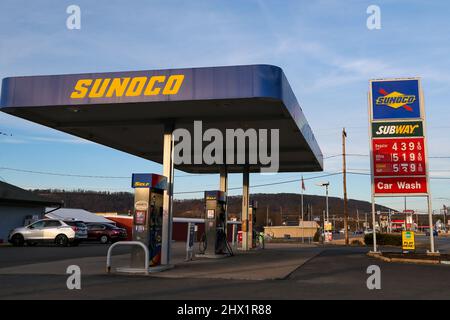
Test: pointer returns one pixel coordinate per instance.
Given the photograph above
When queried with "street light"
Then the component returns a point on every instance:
(326, 185)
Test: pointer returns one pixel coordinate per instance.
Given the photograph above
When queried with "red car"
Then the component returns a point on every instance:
(105, 232)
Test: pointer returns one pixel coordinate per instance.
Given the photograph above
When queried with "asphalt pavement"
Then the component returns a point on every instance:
(331, 272)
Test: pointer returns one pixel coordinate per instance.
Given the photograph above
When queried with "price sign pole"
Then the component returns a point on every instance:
(398, 146)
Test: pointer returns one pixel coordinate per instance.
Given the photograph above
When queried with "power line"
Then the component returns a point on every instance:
(268, 184)
(62, 174)
(199, 191)
(366, 155)
(78, 175)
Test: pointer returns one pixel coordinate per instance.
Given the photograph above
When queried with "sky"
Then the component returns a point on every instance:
(324, 47)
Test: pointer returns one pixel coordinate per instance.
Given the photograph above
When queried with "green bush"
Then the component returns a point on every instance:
(384, 239)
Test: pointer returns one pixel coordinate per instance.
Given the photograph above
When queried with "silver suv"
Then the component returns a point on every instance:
(60, 232)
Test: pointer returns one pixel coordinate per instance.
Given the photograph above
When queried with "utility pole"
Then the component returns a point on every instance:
(445, 218)
(302, 187)
(267, 215)
(389, 222)
(365, 220)
(417, 219)
(357, 219)
(344, 174)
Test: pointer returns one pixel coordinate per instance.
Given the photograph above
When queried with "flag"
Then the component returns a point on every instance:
(303, 184)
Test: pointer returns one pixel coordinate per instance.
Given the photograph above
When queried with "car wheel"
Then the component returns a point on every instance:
(17, 240)
(104, 239)
(61, 240)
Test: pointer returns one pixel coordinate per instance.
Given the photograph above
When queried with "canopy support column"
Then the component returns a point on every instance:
(224, 188)
(168, 172)
(245, 208)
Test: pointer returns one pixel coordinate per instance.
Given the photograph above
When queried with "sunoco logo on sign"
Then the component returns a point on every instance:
(395, 99)
(397, 129)
(141, 205)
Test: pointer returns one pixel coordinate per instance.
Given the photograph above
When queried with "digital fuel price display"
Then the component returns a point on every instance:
(399, 157)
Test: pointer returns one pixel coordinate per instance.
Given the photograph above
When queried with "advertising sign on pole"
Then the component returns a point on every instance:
(398, 148)
(395, 99)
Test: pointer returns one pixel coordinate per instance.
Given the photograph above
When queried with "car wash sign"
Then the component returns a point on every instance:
(398, 143)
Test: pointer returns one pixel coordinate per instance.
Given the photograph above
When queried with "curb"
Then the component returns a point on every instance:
(379, 256)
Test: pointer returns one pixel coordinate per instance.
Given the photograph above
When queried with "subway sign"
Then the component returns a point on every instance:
(395, 99)
(397, 129)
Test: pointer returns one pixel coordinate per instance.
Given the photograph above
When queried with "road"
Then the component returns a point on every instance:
(334, 273)
(11, 256)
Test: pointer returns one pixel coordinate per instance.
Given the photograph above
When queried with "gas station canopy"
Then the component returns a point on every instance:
(128, 111)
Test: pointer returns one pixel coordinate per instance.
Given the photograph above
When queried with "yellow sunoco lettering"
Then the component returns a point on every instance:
(118, 86)
(81, 88)
(130, 86)
(99, 87)
(151, 90)
(136, 86)
(173, 84)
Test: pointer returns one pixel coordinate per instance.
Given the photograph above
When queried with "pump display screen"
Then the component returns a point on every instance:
(140, 217)
(211, 213)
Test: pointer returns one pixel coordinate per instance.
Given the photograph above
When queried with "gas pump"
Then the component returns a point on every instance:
(147, 216)
(214, 240)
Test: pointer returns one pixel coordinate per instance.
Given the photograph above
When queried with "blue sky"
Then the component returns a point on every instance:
(324, 47)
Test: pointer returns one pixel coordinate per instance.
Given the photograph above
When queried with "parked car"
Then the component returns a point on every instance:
(435, 233)
(105, 232)
(59, 232)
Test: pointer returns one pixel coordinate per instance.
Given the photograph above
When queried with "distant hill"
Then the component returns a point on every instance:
(281, 207)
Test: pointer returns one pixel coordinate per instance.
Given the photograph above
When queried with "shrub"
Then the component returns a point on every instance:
(384, 239)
